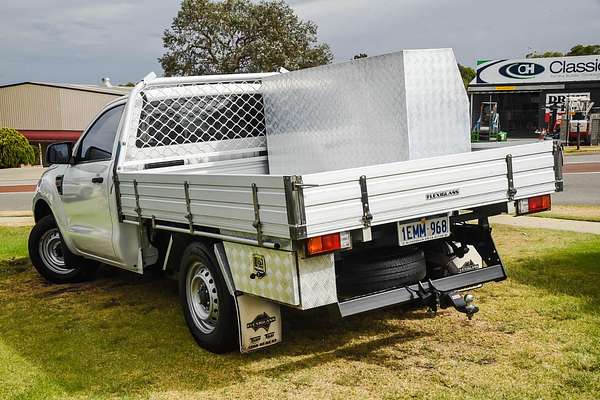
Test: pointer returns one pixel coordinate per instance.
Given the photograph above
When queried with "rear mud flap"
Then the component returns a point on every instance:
(259, 322)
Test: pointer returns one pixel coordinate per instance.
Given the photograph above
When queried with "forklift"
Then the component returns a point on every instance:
(487, 127)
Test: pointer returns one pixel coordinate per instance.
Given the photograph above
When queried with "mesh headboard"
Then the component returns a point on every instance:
(196, 121)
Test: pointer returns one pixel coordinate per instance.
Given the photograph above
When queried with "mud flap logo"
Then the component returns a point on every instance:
(254, 315)
(261, 321)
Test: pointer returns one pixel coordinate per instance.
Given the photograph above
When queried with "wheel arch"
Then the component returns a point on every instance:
(180, 242)
(41, 209)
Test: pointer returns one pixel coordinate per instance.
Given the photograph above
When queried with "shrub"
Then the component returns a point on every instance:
(14, 149)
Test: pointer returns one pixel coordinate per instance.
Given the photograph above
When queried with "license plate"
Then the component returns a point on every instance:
(422, 230)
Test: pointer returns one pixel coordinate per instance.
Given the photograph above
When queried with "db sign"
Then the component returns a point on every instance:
(560, 100)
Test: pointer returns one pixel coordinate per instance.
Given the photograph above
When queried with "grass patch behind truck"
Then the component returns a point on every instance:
(123, 336)
(575, 212)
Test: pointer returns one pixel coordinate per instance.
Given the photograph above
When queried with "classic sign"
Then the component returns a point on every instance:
(538, 70)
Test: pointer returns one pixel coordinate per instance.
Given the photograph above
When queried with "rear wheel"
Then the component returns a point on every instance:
(208, 307)
(52, 259)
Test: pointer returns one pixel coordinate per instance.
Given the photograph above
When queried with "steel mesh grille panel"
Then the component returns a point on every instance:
(198, 119)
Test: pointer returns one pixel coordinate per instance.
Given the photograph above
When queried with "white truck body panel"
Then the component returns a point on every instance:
(89, 222)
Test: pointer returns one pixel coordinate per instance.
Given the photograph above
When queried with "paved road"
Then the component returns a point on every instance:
(548, 223)
(20, 176)
(579, 189)
(583, 187)
(584, 158)
(15, 201)
(16, 186)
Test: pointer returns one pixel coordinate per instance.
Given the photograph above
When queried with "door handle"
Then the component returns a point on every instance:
(98, 179)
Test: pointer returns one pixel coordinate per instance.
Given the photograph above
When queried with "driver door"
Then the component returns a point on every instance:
(86, 188)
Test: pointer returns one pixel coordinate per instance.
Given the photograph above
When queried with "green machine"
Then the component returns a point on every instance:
(487, 127)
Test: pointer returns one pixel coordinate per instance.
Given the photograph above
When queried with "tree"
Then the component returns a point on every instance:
(233, 36)
(14, 149)
(467, 74)
(577, 50)
(535, 54)
(584, 50)
(360, 55)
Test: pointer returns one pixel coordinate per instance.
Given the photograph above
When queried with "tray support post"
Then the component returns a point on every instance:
(257, 224)
(188, 204)
(509, 174)
(364, 199)
(140, 227)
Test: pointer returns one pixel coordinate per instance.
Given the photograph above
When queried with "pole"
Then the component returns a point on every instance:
(568, 130)
(40, 149)
(578, 135)
(471, 112)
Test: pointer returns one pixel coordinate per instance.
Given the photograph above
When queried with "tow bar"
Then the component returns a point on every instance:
(463, 304)
(435, 298)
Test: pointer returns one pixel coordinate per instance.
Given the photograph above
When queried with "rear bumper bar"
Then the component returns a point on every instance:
(409, 294)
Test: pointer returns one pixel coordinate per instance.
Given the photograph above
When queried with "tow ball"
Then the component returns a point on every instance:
(463, 304)
(435, 298)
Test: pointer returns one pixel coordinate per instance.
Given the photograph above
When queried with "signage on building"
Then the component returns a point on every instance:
(538, 70)
(559, 100)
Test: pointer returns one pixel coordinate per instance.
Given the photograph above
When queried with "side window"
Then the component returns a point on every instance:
(98, 142)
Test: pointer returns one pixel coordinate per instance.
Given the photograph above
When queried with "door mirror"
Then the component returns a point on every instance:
(59, 153)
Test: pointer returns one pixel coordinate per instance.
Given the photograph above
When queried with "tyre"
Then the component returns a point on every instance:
(51, 257)
(208, 308)
(383, 270)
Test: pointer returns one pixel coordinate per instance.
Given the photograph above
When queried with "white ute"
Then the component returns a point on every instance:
(176, 177)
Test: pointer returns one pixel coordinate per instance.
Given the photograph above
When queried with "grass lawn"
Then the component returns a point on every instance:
(13, 243)
(572, 150)
(573, 212)
(122, 336)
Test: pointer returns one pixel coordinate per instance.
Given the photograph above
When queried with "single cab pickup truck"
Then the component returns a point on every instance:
(175, 177)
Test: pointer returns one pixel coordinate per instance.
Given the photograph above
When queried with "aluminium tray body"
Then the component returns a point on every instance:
(331, 201)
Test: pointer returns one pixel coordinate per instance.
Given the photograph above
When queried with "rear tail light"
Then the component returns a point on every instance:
(328, 243)
(534, 204)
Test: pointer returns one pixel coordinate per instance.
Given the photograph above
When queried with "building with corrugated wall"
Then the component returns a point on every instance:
(48, 112)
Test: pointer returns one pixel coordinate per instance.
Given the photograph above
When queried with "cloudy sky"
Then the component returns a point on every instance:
(80, 41)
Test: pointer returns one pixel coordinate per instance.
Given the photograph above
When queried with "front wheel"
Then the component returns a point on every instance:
(51, 257)
(208, 307)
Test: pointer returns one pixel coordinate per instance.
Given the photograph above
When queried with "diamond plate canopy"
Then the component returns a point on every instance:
(395, 107)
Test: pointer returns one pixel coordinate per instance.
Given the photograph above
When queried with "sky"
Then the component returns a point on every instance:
(81, 41)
